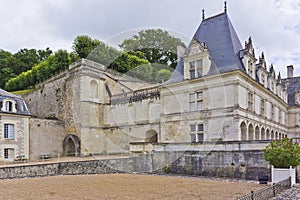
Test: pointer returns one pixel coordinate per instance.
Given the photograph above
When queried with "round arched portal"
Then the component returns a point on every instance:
(243, 131)
(71, 145)
(151, 136)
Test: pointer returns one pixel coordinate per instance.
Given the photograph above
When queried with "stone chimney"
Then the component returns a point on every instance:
(290, 71)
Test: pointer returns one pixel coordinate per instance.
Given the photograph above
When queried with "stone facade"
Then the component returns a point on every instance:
(14, 127)
(220, 91)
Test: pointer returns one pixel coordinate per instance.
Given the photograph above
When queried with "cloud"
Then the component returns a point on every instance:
(273, 24)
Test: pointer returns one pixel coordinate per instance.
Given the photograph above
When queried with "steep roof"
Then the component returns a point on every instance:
(223, 44)
(20, 104)
(293, 86)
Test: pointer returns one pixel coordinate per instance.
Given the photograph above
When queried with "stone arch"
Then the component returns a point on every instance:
(272, 135)
(276, 135)
(243, 127)
(151, 136)
(71, 145)
(257, 133)
(279, 136)
(94, 89)
(268, 135)
(250, 132)
(263, 134)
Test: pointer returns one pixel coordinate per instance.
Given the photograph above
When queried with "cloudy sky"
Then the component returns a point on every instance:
(273, 24)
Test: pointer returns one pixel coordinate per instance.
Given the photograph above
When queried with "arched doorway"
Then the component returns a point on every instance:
(151, 136)
(71, 145)
(243, 131)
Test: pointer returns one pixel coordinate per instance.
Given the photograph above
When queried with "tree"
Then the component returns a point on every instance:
(282, 153)
(163, 75)
(157, 45)
(83, 45)
(6, 74)
(142, 72)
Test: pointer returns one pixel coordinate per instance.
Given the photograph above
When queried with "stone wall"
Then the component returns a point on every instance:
(67, 168)
(46, 137)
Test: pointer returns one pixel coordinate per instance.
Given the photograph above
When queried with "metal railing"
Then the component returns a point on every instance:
(267, 192)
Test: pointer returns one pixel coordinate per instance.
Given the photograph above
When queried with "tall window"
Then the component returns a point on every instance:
(9, 153)
(250, 68)
(196, 133)
(272, 112)
(9, 106)
(250, 101)
(9, 131)
(280, 116)
(196, 101)
(263, 79)
(262, 107)
(196, 69)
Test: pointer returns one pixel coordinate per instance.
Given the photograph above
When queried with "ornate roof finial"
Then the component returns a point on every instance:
(203, 14)
(225, 6)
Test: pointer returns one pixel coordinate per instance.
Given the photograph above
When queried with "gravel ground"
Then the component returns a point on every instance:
(123, 186)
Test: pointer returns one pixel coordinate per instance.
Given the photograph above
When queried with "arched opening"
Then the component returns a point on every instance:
(268, 135)
(243, 131)
(276, 136)
(263, 134)
(250, 132)
(94, 90)
(272, 135)
(279, 136)
(256, 133)
(151, 136)
(71, 146)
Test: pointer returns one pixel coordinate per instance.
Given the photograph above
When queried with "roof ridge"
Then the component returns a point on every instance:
(214, 16)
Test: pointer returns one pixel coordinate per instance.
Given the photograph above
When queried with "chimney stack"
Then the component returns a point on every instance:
(290, 71)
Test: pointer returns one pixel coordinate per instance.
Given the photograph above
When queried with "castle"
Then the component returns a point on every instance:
(219, 92)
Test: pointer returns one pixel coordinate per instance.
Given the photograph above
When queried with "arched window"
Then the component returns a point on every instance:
(263, 134)
(268, 135)
(250, 132)
(94, 90)
(257, 133)
(243, 131)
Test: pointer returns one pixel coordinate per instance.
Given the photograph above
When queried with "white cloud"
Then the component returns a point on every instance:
(273, 24)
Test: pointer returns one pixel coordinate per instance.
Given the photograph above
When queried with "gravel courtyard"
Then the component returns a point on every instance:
(122, 186)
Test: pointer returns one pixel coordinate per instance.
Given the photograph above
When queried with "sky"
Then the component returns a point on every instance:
(274, 25)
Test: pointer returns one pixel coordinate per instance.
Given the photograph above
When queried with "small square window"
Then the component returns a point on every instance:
(193, 128)
(192, 65)
(192, 97)
(199, 95)
(200, 127)
(199, 105)
(9, 131)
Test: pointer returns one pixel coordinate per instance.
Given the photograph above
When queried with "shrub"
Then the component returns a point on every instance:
(282, 153)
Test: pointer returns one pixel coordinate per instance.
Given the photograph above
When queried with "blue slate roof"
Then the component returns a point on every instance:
(20, 104)
(223, 44)
(293, 86)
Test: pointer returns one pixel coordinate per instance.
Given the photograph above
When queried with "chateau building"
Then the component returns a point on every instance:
(220, 91)
(14, 127)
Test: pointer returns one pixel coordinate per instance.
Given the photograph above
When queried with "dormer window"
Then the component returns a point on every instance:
(9, 106)
(196, 68)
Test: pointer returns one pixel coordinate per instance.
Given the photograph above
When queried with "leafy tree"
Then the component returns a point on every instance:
(157, 45)
(126, 62)
(282, 153)
(5, 74)
(142, 72)
(163, 75)
(83, 45)
(5, 58)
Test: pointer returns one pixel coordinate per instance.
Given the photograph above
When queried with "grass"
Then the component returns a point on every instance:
(22, 92)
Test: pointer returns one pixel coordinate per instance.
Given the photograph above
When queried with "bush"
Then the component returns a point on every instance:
(282, 153)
